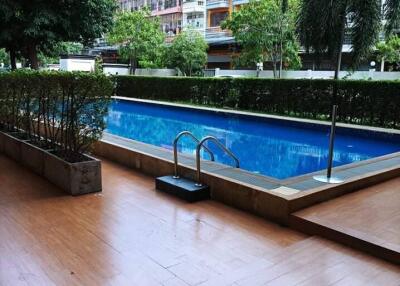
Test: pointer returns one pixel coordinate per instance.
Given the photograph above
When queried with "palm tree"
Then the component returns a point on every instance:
(322, 26)
(392, 16)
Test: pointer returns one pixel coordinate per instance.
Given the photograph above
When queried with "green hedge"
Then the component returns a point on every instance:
(69, 106)
(375, 103)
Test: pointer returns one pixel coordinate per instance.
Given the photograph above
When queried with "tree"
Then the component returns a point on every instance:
(51, 55)
(188, 52)
(322, 26)
(265, 30)
(389, 51)
(139, 37)
(392, 16)
(29, 26)
(10, 30)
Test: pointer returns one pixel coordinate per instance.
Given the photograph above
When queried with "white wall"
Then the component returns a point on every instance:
(117, 69)
(156, 72)
(52, 67)
(87, 65)
(376, 75)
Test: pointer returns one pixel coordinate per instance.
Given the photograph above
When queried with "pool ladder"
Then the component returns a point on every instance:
(190, 135)
(200, 144)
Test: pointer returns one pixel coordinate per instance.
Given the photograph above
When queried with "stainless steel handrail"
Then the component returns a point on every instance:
(176, 176)
(219, 144)
(328, 178)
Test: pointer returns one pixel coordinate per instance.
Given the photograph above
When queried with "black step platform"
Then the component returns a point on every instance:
(183, 188)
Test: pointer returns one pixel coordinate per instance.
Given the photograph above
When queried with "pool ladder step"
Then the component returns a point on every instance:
(183, 188)
(189, 190)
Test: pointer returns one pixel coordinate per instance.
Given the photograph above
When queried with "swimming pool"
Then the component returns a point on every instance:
(272, 148)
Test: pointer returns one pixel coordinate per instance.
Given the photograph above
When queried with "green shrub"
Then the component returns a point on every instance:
(375, 103)
(70, 108)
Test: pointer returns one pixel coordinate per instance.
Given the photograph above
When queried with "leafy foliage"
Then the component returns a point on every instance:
(375, 103)
(51, 55)
(188, 52)
(70, 106)
(29, 26)
(139, 37)
(4, 57)
(261, 27)
(10, 31)
(322, 25)
(390, 50)
(392, 16)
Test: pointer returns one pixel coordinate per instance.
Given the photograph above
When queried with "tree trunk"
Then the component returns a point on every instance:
(132, 62)
(281, 46)
(13, 59)
(340, 45)
(382, 64)
(338, 63)
(33, 59)
(339, 55)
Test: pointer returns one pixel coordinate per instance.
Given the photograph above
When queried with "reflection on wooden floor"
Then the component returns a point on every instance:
(132, 235)
(368, 219)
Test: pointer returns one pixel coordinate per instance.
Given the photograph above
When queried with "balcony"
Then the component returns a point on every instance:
(193, 6)
(239, 2)
(216, 34)
(193, 26)
(214, 4)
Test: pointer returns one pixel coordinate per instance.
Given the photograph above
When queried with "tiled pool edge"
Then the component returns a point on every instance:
(228, 185)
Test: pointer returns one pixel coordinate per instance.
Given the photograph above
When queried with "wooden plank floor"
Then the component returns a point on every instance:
(371, 215)
(132, 235)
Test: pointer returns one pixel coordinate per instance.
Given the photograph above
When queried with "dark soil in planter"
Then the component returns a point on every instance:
(42, 144)
(71, 157)
(20, 135)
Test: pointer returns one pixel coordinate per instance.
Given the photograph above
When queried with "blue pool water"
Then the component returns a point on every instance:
(264, 147)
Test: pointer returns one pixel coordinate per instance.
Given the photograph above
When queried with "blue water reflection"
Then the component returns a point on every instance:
(270, 149)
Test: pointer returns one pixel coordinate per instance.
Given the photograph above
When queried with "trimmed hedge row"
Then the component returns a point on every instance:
(375, 103)
(69, 106)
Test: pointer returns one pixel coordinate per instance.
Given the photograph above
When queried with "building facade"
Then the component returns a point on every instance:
(169, 12)
(204, 16)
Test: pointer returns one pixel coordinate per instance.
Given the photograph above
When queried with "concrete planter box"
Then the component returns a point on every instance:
(11, 146)
(2, 139)
(32, 157)
(74, 178)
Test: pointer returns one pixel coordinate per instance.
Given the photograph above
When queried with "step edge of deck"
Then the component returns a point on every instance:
(313, 228)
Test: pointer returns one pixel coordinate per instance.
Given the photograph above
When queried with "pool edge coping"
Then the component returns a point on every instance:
(264, 202)
(282, 183)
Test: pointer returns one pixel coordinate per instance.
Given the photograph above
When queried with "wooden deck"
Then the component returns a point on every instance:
(132, 235)
(368, 219)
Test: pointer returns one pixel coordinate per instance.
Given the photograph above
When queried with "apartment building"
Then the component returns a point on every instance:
(194, 15)
(222, 46)
(169, 12)
(205, 16)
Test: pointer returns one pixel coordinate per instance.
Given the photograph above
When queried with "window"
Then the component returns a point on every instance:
(217, 18)
(170, 4)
